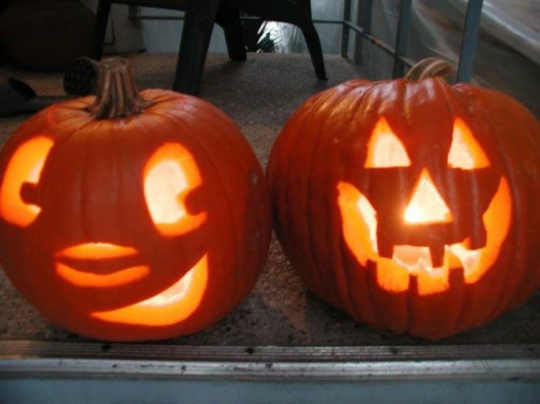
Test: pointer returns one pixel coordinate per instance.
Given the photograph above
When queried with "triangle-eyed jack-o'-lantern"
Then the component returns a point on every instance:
(127, 217)
(412, 205)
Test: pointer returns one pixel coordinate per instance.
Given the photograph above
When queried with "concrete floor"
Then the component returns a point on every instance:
(259, 95)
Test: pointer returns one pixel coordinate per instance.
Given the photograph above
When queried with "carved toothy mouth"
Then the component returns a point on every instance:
(426, 256)
(419, 259)
(99, 265)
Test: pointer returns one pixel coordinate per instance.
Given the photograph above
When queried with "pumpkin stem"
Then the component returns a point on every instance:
(430, 67)
(117, 96)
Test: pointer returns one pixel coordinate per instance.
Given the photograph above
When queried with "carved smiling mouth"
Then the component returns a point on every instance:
(99, 265)
(170, 306)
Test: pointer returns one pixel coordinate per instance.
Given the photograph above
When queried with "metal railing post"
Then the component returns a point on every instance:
(402, 37)
(345, 28)
(367, 16)
(363, 18)
(469, 40)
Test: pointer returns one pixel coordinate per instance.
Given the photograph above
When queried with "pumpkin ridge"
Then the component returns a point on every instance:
(68, 140)
(238, 261)
(453, 110)
(322, 140)
(66, 109)
(315, 139)
(518, 236)
(397, 108)
(87, 169)
(293, 144)
(502, 286)
(255, 169)
(442, 94)
(338, 247)
(224, 308)
(464, 292)
(192, 108)
(403, 107)
(122, 159)
(352, 271)
(363, 97)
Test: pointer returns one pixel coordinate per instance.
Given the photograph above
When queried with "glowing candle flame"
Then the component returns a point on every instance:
(426, 205)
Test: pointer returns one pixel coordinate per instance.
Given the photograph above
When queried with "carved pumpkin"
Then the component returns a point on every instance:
(131, 217)
(411, 205)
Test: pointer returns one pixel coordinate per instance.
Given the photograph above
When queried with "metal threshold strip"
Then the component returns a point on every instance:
(26, 359)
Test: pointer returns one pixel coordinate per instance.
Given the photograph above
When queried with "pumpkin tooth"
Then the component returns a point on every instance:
(385, 246)
(437, 254)
(479, 238)
(469, 258)
(414, 258)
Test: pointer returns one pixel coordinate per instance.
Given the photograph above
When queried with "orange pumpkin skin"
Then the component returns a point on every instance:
(92, 250)
(345, 170)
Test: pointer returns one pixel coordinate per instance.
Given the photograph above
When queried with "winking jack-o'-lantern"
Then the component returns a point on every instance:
(132, 217)
(411, 204)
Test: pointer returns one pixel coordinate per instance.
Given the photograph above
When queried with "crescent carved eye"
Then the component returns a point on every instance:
(170, 176)
(24, 168)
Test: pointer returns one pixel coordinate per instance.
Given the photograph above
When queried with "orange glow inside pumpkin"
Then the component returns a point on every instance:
(96, 253)
(169, 176)
(385, 149)
(25, 166)
(426, 206)
(171, 306)
(465, 152)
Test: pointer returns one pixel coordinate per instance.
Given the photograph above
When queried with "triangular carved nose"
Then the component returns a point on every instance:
(426, 205)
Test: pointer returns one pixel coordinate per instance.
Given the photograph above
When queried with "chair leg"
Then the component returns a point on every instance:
(296, 12)
(315, 50)
(198, 25)
(229, 19)
(100, 27)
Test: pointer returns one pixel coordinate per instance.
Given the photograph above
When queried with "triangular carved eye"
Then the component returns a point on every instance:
(465, 151)
(385, 149)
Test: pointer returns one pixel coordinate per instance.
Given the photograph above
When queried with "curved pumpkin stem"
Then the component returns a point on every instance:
(117, 96)
(430, 67)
